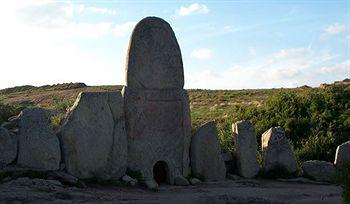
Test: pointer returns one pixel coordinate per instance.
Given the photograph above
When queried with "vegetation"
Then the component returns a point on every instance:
(7, 110)
(316, 120)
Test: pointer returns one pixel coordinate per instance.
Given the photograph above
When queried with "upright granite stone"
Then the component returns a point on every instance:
(246, 148)
(39, 147)
(206, 160)
(342, 153)
(319, 170)
(8, 147)
(156, 105)
(93, 138)
(277, 152)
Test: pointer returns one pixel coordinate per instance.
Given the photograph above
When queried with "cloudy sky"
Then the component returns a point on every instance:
(225, 44)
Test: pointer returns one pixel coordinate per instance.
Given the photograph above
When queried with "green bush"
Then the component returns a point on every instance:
(7, 111)
(315, 121)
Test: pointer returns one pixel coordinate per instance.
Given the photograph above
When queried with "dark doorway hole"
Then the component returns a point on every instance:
(160, 172)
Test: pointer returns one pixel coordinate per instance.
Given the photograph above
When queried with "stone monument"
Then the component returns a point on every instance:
(156, 105)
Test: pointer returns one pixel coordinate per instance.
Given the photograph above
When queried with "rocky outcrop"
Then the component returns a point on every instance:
(277, 152)
(319, 170)
(342, 153)
(8, 147)
(246, 148)
(206, 160)
(38, 145)
(93, 137)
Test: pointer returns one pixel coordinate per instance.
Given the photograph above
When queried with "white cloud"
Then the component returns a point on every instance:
(204, 53)
(284, 68)
(124, 29)
(337, 69)
(336, 29)
(194, 8)
(333, 30)
(97, 10)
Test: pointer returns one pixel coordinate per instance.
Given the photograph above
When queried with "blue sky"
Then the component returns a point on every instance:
(224, 44)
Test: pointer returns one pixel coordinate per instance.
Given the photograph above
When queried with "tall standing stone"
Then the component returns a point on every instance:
(342, 153)
(156, 105)
(277, 152)
(206, 159)
(39, 147)
(93, 137)
(246, 148)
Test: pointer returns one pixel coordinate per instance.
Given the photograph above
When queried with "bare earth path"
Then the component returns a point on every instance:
(24, 190)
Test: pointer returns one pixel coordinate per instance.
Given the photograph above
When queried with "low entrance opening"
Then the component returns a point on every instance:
(160, 172)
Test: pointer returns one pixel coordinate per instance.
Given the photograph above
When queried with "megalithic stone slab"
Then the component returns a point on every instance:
(156, 105)
(342, 153)
(159, 129)
(206, 160)
(154, 56)
(246, 148)
(277, 152)
(93, 138)
(39, 147)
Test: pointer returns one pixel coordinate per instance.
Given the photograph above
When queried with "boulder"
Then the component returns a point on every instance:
(39, 147)
(319, 170)
(246, 148)
(342, 153)
(277, 152)
(93, 137)
(206, 160)
(8, 147)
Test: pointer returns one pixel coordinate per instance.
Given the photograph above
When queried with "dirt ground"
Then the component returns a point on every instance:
(25, 190)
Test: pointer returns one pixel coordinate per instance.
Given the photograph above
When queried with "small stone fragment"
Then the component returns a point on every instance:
(181, 181)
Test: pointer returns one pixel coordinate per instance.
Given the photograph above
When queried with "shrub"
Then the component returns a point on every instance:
(7, 111)
(315, 121)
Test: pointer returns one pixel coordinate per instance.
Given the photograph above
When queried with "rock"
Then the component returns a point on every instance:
(233, 177)
(129, 181)
(39, 147)
(277, 152)
(246, 148)
(319, 170)
(8, 147)
(157, 109)
(206, 160)
(151, 184)
(181, 181)
(153, 48)
(93, 138)
(195, 181)
(342, 153)
(65, 178)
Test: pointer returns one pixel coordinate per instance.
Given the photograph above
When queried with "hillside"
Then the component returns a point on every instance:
(316, 120)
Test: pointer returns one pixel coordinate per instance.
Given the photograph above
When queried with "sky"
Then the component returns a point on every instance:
(224, 44)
